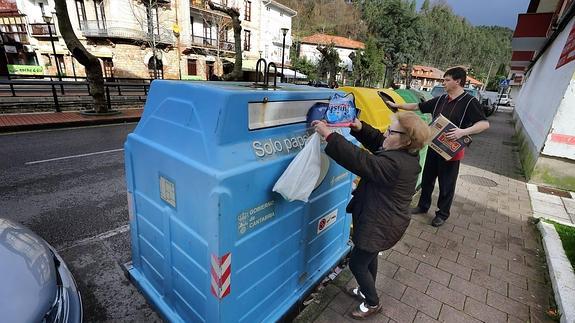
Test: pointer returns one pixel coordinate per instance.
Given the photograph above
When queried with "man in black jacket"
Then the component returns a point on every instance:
(465, 112)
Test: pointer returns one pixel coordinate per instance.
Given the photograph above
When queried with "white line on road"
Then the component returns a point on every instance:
(98, 237)
(74, 156)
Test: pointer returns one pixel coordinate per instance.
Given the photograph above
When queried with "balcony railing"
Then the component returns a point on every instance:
(124, 30)
(41, 30)
(198, 41)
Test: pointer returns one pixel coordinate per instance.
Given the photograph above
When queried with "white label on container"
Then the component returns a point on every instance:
(130, 206)
(167, 191)
(326, 221)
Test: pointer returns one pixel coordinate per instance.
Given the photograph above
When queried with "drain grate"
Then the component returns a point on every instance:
(479, 180)
(509, 143)
(553, 191)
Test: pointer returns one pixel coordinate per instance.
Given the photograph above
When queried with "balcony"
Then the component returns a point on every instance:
(41, 30)
(210, 43)
(531, 31)
(201, 7)
(123, 30)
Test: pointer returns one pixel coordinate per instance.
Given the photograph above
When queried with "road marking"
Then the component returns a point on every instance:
(99, 237)
(74, 156)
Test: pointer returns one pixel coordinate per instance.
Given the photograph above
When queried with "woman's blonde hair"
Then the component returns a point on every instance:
(415, 128)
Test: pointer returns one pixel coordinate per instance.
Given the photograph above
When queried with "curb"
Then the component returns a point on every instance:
(560, 271)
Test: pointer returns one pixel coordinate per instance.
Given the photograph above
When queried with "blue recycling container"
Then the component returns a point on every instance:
(211, 242)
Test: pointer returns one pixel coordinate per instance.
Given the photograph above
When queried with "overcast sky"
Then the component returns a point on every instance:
(488, 12)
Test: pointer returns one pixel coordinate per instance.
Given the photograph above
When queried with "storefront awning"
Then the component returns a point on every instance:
(291, 74)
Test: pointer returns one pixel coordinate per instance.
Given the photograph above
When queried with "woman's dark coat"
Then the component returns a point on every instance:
(380, 204)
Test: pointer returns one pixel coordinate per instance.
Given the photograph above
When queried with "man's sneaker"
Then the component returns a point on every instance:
(417, 210)
(437, 221)
(355, 292)
(364, 311)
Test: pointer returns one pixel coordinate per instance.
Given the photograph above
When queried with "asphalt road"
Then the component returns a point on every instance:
(68, 186)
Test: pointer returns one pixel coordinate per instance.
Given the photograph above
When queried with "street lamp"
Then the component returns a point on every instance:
(284, 32)
(47, 20)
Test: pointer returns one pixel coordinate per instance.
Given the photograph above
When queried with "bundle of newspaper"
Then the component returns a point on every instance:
(445, 147)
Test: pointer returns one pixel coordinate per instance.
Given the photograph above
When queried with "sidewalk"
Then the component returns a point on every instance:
(34, 121)
(486, 264)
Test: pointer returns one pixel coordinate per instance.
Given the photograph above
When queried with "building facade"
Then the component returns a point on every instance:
(344, 47)
(172, 39)
(543, 78)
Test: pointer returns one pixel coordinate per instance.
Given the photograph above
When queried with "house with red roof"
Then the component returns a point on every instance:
(344, 46)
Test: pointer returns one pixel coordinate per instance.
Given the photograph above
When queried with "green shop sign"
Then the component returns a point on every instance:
(26, 69)
(193, 78)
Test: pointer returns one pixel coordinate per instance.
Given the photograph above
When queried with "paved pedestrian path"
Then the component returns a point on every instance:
(34, 121)
(486, 264)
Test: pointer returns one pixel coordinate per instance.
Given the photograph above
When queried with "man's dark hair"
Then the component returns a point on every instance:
(457, 73)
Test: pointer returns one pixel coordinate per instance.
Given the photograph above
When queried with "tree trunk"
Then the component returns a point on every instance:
(237, 73)
(89, 61)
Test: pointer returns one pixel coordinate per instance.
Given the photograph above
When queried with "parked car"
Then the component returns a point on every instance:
(504, 99)
(35, 284)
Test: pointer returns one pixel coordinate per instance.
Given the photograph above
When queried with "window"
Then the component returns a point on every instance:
(156, 69)
(108, 67)
(100, 14)
(13, 30)
(192, 67)
(41, 5)
(247, 10)
(81, 13)
(268, 9)
(247, 40)
(207, 33)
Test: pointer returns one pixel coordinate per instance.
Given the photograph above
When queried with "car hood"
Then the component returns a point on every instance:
(28, 282)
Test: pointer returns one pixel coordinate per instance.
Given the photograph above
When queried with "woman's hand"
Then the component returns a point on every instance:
(455, 133)
(321, 128)
(393, 106)
(355, 125)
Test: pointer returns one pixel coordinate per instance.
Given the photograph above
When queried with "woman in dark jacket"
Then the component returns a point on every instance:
(380, 204)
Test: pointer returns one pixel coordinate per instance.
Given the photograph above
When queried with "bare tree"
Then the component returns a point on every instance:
(89, 61)
(148, 17)
(234, 14)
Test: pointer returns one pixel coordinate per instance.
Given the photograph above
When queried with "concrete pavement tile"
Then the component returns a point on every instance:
(446, 295)
(422, 318)
(542, 197)
(482, 230)
(422, 302)
(403, 260)
(443, 252)
(424, 256)
(341, 303)
(412, 279)
(510, 256)
(536, 274)
(538, 299)
(491, 283)
(491, 259)
(396, 310)
(431, 237)
(508, 276)
(390, 286)
(329, 315)
(386, 268)
(483, 312)
(569, 205)
(450, 315)
(473, 263)
(455, 268)
(507, 305)
(414, 241)
(468, 288)
(469, 234)
(434, 274)
(401, 247)
(556, 210)
(472, 243)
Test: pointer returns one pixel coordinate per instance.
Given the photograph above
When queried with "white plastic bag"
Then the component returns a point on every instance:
(299, 179)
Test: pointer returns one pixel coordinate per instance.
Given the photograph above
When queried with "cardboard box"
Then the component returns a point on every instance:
(443, 146)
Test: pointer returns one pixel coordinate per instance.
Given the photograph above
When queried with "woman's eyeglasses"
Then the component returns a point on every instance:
(389, 132)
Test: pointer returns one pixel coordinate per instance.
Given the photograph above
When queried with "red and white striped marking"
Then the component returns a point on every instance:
(221, 275)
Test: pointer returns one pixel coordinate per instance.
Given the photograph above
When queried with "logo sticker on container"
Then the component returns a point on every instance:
(168, 191)
(326, 221)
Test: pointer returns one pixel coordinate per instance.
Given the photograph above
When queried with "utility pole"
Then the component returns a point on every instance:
(488, 73)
